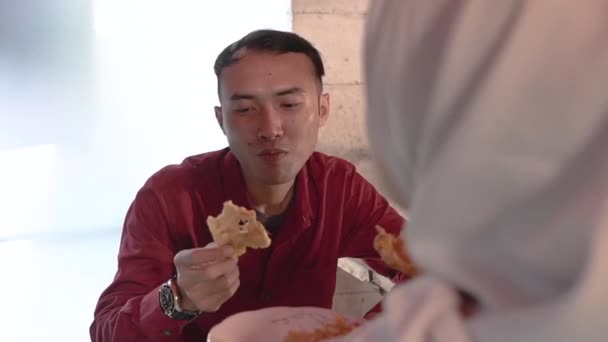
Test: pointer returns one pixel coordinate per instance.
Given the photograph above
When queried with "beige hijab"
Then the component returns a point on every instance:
(490, 122)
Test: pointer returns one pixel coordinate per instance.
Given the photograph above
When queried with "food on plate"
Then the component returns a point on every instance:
(340, 327)
(392, 252)
(238, 227)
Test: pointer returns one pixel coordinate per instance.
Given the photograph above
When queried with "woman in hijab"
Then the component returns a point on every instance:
(490, 122)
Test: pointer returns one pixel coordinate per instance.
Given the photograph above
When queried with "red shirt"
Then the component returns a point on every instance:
(332, 215)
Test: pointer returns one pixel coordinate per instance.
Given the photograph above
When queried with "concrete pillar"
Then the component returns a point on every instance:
(336, 27)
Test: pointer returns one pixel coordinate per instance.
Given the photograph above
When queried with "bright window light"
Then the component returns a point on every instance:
(25, 180)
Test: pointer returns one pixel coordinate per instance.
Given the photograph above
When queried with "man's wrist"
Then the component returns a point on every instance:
(187, 305)
(170, 302)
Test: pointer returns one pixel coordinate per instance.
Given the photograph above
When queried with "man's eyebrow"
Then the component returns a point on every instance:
(290, 91)
(240, 96)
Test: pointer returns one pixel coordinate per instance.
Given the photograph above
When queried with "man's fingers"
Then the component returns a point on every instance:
(211, 244)
(235, 286)
(214, 302)
(225, 282)
(218, 269)
(207, 276)
(206, 294)
(210, 275)
(221, 285)
(198, 257)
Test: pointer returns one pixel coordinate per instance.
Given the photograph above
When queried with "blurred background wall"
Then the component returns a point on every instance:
(95, 96)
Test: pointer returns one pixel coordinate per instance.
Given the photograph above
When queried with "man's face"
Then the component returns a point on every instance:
(271, 111)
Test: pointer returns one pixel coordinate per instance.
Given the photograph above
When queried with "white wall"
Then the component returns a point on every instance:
(133, 93)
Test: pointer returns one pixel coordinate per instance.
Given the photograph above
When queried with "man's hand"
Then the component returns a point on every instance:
(206, 277)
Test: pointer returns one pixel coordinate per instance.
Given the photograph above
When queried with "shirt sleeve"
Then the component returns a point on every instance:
(365, 209)
(129, 309)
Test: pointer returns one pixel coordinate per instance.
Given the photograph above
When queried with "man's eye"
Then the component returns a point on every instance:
(243, 110)
(291, 105)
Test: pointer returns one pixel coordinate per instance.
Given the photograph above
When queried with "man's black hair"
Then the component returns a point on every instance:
(271, 41)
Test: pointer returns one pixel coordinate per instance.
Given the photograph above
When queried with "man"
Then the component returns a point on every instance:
(490, 121)
(316, 208)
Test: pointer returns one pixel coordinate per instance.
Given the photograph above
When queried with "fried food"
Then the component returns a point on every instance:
(338, 328)
(238, 227)
(392, 252)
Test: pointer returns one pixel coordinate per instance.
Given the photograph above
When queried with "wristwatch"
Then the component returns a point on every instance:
(170, 302)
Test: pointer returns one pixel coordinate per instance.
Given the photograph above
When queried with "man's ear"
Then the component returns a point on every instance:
(219, 118)
(323, 109)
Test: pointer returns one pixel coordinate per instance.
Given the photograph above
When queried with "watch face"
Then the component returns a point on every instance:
(166, 299)
(168, 304)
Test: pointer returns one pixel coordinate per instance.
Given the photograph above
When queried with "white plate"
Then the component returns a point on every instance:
(272, 324)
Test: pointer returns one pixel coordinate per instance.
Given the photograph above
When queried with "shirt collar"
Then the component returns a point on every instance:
(236, 189)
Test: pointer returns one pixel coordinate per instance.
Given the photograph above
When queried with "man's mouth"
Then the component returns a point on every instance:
(272, 154)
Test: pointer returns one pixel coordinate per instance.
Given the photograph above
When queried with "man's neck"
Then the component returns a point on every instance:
(270, 199)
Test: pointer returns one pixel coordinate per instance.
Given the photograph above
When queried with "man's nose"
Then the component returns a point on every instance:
(270, 125)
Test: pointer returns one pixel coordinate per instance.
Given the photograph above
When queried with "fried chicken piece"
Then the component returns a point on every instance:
(338, 328)
(236, 226)
(392, 252)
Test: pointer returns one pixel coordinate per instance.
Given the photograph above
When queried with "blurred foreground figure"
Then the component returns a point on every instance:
(490, 122)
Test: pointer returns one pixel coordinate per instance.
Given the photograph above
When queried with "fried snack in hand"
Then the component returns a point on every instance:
(238, 227)
(392, 252)
(338, 328)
